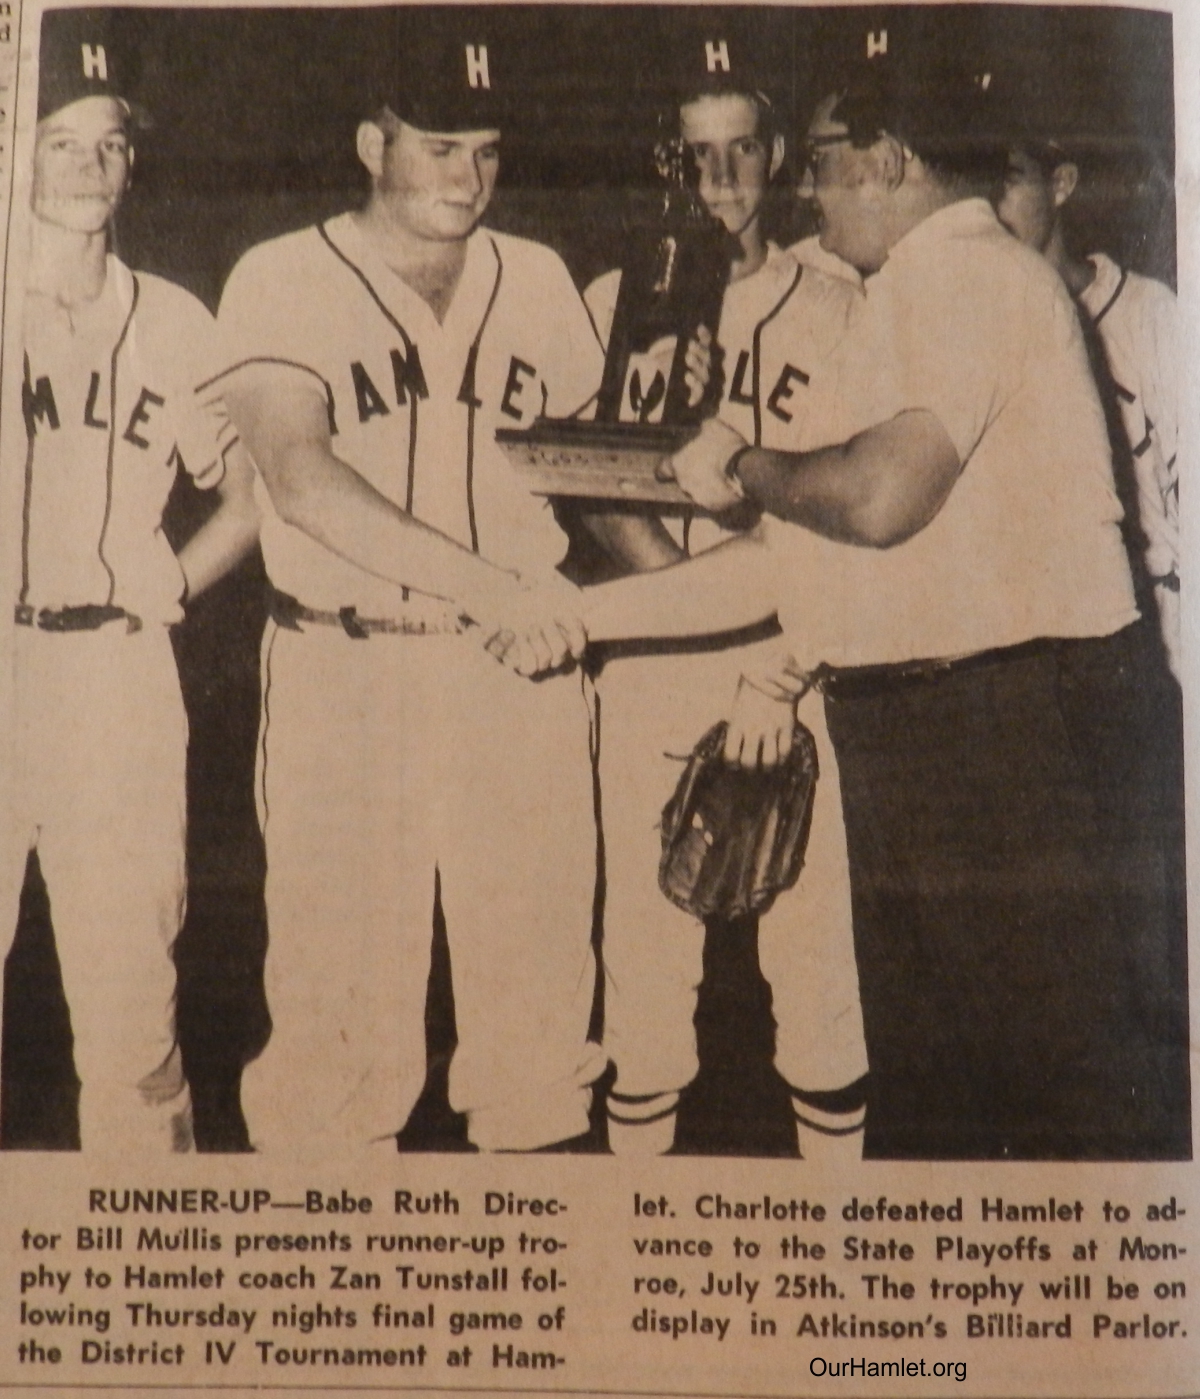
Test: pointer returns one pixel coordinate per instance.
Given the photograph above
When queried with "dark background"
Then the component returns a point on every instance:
(247, 123)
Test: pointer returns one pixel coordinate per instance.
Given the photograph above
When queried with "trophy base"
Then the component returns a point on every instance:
(596, 461)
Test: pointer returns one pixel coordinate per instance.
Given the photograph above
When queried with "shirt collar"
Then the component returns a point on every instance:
(479, 264)
(965, 218)
(1100, 290)
(809, 253)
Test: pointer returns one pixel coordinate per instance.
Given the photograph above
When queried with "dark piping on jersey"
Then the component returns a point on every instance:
(1112, 300)
(411, 486)
(112, 440)
(756, 351)
(291, 364)
(755, 384)
(468, 396)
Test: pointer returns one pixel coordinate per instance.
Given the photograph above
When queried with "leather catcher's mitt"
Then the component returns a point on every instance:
(733, 838)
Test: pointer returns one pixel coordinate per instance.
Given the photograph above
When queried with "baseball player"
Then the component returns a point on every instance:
(112, 360)
(779, 321)
(1137, 322)
(370, 360)
(954, 558)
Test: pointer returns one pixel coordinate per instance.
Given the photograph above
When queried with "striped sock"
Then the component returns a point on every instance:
(641, 1124)
(829, 1125)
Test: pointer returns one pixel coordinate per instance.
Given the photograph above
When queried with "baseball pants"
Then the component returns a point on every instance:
(100, 794)
(653, 710)
(385, 764)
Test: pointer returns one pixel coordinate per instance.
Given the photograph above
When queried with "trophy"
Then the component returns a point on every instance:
(673, 281)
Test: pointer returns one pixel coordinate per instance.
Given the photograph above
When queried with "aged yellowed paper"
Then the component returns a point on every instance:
(349, 1040)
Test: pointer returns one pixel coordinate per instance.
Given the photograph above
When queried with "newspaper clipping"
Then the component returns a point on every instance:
(593, 659)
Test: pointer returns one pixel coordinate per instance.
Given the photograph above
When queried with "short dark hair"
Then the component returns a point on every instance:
(945, 113)
(1048, 152)
(767, 126)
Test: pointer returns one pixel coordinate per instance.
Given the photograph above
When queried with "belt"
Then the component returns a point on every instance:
(289, 612)
(88, 616)
(869, 682)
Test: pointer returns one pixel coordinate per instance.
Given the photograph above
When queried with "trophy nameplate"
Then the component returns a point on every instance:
(598, 461)
(673, 280)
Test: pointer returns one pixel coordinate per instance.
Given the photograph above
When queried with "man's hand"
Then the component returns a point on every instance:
(699, 467)
(781, 676)
(762, 721)
(701, 361)
(761, 728)
(532, 627)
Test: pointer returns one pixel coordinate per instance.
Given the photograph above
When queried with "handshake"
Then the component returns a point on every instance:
(534, 627)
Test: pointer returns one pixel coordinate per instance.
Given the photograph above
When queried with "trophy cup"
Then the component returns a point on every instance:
(673, 281)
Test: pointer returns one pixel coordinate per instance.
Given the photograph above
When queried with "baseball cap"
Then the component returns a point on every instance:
(78, 59)
(711, 58)
(936, 96)
(440, 69)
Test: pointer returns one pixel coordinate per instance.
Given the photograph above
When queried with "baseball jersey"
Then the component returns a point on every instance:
(112, 410)
(777, 325)
(1137, 319)
(413, 404)
(809, 253)
(965, 322)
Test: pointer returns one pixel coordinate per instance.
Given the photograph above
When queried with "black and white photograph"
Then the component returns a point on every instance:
(984, 954)
(599, 582)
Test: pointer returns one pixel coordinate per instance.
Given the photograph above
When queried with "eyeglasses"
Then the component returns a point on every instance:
(810, 151)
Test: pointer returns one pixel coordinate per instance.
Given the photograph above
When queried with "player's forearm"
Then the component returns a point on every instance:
(637, 542)
(215, 549)
(723, 589)
(229, 533)
(327, 499)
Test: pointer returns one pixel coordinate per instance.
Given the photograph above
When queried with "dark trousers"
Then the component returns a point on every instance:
(1015, 832)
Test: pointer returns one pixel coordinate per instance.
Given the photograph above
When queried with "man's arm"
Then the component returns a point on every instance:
(284, 423)
(229, 533)
(637, 542)
(721, 590)
(878, 489)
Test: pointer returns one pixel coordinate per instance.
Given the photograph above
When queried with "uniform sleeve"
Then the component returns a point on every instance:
(267, 313)
(575, 355)
(600, 298)
(1156, 463)
(203, 429)
(1160, 332)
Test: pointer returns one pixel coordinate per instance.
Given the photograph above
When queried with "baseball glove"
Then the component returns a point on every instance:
(733, 838)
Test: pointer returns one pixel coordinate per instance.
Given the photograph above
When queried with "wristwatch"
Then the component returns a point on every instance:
(731, 471)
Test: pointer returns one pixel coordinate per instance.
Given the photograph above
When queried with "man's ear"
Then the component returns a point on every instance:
(1063, 182)
(778, 151)
(369, 143)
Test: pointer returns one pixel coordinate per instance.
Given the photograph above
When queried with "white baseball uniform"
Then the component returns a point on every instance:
(1137, 320)
(390, 763)
(111, 410)
(776, 326)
